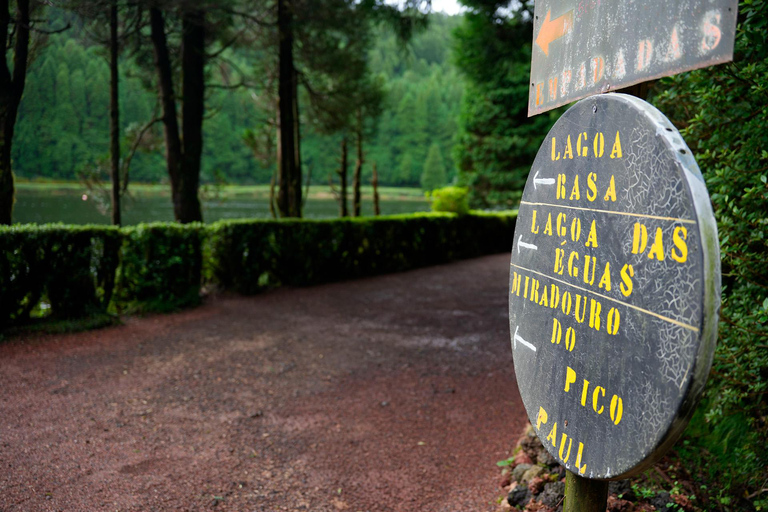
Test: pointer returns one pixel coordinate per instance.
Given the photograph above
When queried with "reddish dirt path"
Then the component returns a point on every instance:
(394, 393)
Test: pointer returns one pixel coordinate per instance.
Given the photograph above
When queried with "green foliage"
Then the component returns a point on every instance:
(723, 112)
(506, 462)
(160, 267)
(450, 199)
(70, 272)
(53, 325)
(643, 492)
(63, 127)
(249, 256)
(56, 270)
(497, 142)
(433, 175)
(423, 94)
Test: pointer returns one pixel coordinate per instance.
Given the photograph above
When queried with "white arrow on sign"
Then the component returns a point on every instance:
(542, 181)
(517, 338)
(520, 244)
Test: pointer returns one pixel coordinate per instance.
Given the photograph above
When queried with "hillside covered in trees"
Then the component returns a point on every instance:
(63, 126)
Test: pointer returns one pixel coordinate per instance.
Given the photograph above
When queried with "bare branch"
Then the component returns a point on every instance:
(226, 45)
(224, 75)
(30, 26)
(134, 147)
(250, 17)
(227, 87)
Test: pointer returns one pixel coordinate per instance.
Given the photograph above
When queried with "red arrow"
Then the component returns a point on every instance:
(554, 29)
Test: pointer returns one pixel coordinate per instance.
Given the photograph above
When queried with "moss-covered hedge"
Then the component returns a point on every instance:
(160, 267)
(67, 269)
(75, 271)
(248, 256)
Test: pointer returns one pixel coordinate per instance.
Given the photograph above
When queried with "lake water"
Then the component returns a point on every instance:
(72, 205)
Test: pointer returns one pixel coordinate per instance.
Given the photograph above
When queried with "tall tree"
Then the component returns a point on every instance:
(288, 159)
(15, 32)
(114, 114)
(323, 46)
(343, 165)
(183, 148)
(357, 175)
(96, 14)
(62, 123)
(497, 141)
(332, 68)
(368, 104)
(375, 186)
(434, 175)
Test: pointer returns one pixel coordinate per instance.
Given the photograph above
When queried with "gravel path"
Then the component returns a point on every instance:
(393, 393)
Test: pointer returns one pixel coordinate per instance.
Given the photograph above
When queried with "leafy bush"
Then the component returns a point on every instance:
(68, 270)
(450, 199)
(160, 267)
(723, 112)
(71, 271)
(251, 255)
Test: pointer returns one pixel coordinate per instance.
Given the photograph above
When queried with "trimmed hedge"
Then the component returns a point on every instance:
(251, 255)
(69, 269)
(160, 267)
(77, 271)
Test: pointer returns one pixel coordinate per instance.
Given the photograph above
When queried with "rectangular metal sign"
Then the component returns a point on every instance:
(585, 47)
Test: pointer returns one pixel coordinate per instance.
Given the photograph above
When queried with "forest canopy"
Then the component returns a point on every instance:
(62, 130)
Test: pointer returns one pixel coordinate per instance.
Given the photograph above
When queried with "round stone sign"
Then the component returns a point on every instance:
(614, 287)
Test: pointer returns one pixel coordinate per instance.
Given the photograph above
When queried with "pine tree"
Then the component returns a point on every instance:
(434, 175)
(405, 170)
(497, 140)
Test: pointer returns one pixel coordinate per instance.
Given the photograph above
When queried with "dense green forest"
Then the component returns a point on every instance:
(62, 131)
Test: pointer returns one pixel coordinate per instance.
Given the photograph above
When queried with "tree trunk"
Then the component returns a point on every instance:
(272, 197)
(358, 166)
(296, 197)
(289, 170)
(11, 89)
(114, 115)
(168, 103)
(289, 142)
(343, 180)
(192, 111)
(375, 183)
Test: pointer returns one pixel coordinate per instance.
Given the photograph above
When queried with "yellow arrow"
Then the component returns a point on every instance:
(554, 29)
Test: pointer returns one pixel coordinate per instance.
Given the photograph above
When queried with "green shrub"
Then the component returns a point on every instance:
(449, 199)
(160, 267)
(722, 112)
(251, 255)
(68, 271)
(71, 271)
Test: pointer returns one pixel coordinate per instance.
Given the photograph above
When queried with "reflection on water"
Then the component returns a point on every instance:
(71, 206)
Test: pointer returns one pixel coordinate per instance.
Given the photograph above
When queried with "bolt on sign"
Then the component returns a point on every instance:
(584, 47)
(614, 287)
